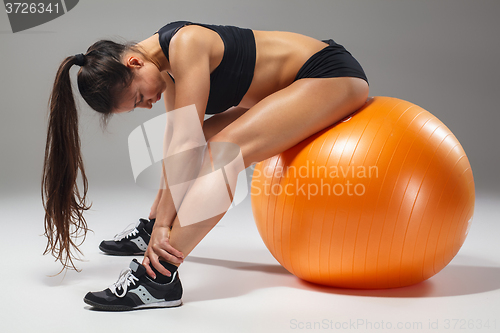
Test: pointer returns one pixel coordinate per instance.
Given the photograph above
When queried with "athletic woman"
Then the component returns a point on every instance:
(268, 90)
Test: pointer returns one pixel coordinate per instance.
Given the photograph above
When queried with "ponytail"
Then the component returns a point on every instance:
(100, 80)
(63, 202)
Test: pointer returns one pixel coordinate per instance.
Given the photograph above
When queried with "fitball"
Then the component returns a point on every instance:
(382, 199)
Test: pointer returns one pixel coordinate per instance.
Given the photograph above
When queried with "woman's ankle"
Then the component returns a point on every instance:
(160, 278)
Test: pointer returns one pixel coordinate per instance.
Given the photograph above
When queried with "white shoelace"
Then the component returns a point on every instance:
(128, 232)
(126, 279)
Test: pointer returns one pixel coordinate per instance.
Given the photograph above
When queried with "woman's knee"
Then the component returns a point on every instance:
(227, 146)
(208, 129)
(213, 125)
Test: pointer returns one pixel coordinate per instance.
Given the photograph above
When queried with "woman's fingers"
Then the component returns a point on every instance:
(175, 256)
(160, 249)
(166, 254)
(149, 271)
(152, 260)
(159, 267)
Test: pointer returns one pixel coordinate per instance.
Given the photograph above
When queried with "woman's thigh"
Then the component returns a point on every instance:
(292, 114)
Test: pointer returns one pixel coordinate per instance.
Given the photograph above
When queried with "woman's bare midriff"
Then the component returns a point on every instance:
(280, 55)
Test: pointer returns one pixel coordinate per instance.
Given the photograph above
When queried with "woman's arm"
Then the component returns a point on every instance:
(192, 75)
(168, 98)
(190, 66)
(189, 57)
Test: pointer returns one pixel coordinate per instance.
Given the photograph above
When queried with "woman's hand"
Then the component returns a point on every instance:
(160, 248)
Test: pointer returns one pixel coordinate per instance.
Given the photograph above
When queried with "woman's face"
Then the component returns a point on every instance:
(146, 88)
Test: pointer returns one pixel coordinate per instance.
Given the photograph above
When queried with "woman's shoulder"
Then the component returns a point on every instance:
(172, 26)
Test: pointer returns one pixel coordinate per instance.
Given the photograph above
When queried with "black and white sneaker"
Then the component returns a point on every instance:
(130, 242)
(135, 290)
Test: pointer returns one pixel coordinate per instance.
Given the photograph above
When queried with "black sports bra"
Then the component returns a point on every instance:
(230, 81)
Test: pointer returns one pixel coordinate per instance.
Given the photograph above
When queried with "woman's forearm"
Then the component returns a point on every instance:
(180, 171)
(152, 213)
(163, 207)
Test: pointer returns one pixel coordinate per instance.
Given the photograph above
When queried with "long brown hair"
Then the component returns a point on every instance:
(100, 80)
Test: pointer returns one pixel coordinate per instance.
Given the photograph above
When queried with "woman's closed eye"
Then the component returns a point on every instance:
(140, 101)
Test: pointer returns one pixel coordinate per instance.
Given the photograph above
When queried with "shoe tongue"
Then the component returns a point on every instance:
(141, 224)
(137, 268)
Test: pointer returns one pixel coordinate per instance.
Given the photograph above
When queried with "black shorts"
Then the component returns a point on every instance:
(332, 61)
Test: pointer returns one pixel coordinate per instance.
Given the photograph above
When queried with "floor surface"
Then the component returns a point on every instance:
(233, 284)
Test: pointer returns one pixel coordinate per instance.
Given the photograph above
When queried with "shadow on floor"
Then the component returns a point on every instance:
(453, 280)
(202, 284)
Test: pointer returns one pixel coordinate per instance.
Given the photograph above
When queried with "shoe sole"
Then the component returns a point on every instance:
(165, 304)
(120, 253)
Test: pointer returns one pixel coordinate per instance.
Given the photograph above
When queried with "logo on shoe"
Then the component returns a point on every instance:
(145, 295)
(141, 244)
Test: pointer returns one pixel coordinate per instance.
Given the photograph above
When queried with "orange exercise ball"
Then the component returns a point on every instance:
(382, 199)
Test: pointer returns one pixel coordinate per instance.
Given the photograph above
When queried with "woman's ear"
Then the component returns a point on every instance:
(133, 62)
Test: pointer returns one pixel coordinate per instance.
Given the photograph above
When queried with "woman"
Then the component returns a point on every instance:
(268, 91)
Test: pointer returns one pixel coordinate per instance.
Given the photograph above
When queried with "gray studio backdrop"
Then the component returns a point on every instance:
(440, 54)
